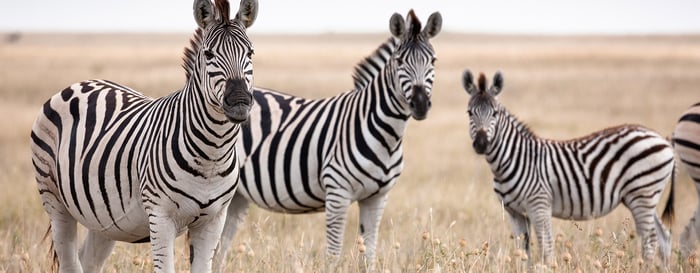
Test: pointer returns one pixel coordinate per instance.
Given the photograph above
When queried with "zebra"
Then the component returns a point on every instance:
(136, 169)
(686, 141)
(537, 179)
(305, 156)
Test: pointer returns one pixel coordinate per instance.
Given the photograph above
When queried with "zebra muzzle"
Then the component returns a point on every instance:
(419, 103)
(237, 100)
(481, 142)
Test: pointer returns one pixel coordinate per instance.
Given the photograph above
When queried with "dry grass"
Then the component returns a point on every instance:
(442, 216)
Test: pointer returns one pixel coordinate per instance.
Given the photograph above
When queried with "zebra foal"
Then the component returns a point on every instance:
(136, 169)
(580, 179)
(305, 155)
(686, 142)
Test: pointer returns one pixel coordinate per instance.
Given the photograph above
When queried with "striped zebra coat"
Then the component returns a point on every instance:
(686, 141)
(579, 179)
(136, 169)
(304, 155)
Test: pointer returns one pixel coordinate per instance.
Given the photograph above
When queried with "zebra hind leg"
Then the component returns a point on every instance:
(237, 211)
(691, 233)
(64, 235)
(95, 251)
(645, 225)
(664, 242)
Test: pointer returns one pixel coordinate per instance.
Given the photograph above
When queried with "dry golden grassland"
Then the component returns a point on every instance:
(442, 216)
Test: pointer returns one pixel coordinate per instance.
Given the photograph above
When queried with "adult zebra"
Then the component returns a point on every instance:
(686, 141)
(578, 179)
(304, 156)
(136, 169)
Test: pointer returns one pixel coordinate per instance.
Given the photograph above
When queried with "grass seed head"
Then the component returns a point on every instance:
(598, 232)
(241, 249)
(620, 254)
(362, 248)
(360, 240)
(566, 257)
(463, 242)
(426, 235)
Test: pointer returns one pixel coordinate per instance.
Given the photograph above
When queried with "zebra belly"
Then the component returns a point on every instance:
(128, 225)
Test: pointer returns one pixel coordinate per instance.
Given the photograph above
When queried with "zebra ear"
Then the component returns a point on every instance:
(247, 12)
(497, 85)
(433, 26)
(204, 13)
(468, 82)
(397, 25)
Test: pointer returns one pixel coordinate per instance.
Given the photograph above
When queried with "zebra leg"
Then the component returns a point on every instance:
(204, 238)
(542, 217)
(237, 211)
(163, 233)
(664, 241)
(644, 223)
(521, 230)
(63, 234)
(691, 233)
(371, 211)
(337, 204)
(95, 250)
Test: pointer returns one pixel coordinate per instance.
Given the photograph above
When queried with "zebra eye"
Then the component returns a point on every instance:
(432, 62)
(399, 62)
(469, 112)
(208, 54)
(495, 113)
(250, 54)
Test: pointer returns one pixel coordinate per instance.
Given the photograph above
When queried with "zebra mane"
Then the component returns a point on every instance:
(190, 53)
(369, 68)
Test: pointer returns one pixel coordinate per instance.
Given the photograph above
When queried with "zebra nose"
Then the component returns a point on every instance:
(237, 100)
(419, 103)
(236, 92)
(480, 142)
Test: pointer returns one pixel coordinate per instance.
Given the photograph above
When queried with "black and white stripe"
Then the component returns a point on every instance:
(686, 142)
(577, 179)
(306, 155)
(136, 169)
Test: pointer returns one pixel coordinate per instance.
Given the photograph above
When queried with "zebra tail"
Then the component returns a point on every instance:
(52, 251)
(669, 211)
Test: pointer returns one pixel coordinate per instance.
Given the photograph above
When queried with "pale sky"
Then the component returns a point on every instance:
(322, 16)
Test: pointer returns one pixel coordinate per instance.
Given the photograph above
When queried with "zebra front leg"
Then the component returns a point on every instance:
(371, 211)
(204, 237)
(521, 230)
(337, 204)
(95, 250)
(163, 233)
(542, 220)
(237, 211)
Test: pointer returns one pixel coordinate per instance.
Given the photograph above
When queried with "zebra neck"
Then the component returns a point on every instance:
(205, 131)
(513, 143)
(386, 114)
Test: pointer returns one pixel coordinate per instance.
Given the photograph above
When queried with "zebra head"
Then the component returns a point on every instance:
(414, 60)
(483, 109)
(223, 59)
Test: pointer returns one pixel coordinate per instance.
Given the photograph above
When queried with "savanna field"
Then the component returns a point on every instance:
(442, 216)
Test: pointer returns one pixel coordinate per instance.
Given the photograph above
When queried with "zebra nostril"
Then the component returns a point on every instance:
(411, 104)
